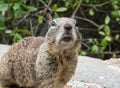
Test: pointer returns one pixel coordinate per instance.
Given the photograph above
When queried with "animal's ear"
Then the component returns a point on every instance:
(74, 20)
(49, 18)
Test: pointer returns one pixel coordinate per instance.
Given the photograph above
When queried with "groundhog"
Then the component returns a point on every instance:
(37, 62)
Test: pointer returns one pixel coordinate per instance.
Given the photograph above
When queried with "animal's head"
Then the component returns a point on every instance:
(63, 33)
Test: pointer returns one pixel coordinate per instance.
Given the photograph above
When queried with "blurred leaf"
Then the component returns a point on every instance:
(108, 38)
(95, 41)
(102, 33)
(18, 13)
(40, 19)
(3, 8)
(54, 8)
(46, 1)
(91, 12)
(83, 53)
(17, 37)
(119, 13)
(17, 10)
(107, 30)
(90, 40)
(1, 23)
(87, 1)
(107, 19)
(56, 15)
(104, 42)
(1, 1)
(115, 14)
(61, 9)
(31, 8)
(1, 31)
(24, 31)
(26, 8)
(117, 36)
(67, 4)
(117, 19)
(2, 28)
(94, 49)
(8, 31)
(16, 6)
(75, 4)
(116, 7)
(101, 27)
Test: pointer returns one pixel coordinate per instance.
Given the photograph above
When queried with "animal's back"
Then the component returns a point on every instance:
(19, 61)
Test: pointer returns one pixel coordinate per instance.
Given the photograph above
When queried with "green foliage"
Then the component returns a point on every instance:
(12, 9)
(2, 23)
(40, 19)
(91, 12)
(107, 20)
(20, 18)
(57, 9)
(116, 12)
(16, 8)
(17, 37)
(98, 47)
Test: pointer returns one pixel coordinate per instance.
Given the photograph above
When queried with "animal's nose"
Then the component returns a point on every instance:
(67, 27)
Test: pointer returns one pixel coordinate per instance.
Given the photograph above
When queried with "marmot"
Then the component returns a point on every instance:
(36, 62)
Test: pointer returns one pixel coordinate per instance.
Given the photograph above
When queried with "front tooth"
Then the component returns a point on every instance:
(66, 35)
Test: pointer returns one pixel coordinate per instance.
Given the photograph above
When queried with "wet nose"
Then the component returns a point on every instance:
(67, 27)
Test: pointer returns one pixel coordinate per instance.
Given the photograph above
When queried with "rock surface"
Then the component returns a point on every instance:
(91, 72)
(3, 49)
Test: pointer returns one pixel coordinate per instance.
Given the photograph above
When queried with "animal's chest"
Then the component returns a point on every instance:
(66, 68)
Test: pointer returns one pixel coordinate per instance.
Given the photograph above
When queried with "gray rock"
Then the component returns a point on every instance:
(79, 84)
(90, 71)
(3, 49)
(93, 70)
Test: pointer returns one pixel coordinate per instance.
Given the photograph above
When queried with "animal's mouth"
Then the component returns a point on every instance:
(66, 41)
(67, 38)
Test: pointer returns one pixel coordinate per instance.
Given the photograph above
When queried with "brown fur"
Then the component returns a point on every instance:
(17, 65)
(38, 62)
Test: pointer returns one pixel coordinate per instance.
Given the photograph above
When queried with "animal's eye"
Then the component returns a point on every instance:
(53, 23)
